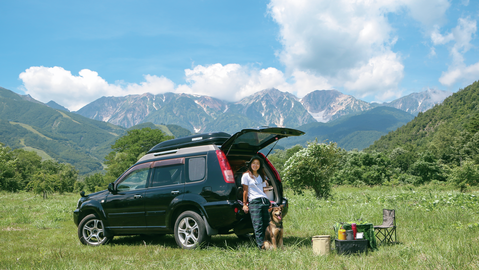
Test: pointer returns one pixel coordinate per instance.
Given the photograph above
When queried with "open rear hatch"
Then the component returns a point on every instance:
(250, 141)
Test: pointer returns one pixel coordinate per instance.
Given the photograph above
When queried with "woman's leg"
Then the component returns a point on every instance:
(260, 218)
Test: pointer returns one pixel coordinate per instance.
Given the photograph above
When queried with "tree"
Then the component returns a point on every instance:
(43, 183)
(8, 179)
(129, 148)
(362, 168)
(27, 163)
(473, 125)
(427, 168)
(401, 159)
(93, 182)
(53, 177)
(67, 176)
(279, 157)
(465, 175)
(312, 167)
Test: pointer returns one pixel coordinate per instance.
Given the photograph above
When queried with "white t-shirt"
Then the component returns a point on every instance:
(255, 186)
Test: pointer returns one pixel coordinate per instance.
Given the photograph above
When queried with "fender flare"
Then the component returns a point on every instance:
(95, 207)
(189, 202)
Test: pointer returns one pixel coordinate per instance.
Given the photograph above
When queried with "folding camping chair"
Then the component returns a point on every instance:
(386, 230)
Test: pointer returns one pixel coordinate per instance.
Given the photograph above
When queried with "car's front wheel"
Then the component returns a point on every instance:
(92, 232)
(190, 230)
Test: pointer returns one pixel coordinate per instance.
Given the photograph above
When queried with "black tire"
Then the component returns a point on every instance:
(92, 232)
(190, 230)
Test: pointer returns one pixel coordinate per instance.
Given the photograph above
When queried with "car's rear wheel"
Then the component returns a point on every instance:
(92, 232)
(190, 230)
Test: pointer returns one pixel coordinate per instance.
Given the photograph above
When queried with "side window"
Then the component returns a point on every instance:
(135, 180)
(196, 168)
(167, 175)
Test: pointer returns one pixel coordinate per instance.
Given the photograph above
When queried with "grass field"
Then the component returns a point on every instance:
(437, 229)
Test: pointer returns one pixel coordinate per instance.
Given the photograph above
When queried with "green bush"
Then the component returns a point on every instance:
(312, 167)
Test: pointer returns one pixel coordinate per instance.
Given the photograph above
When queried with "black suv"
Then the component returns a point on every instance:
(189, 186)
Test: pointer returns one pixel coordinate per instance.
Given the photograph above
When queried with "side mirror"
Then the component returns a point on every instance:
(111, 188)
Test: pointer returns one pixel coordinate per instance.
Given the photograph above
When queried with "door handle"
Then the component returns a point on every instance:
(137, 197)
(175, 192)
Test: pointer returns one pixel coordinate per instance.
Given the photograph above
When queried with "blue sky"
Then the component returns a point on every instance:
(74, 52)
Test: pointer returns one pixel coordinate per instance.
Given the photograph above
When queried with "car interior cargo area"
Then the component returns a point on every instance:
(239, 167)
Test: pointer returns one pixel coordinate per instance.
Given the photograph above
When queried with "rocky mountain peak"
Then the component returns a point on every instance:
(327, 105)
(419, 102)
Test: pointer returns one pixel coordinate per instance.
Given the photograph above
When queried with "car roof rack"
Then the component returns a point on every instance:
(217, 138)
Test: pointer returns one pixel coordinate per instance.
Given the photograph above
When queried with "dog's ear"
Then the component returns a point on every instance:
(270, 209)
(281, 206)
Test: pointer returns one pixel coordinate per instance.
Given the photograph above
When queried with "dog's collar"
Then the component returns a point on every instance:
(278, 225)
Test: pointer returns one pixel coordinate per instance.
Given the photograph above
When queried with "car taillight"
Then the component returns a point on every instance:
(276, 174)
(225, 167)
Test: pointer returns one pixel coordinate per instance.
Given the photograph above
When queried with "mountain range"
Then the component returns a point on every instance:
(73, 137)
(269, 107)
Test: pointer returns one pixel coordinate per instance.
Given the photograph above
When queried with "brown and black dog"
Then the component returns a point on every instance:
(274, 233)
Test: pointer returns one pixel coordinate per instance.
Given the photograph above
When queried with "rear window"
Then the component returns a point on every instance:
(254, 138)
(167, 175)
(196, 169)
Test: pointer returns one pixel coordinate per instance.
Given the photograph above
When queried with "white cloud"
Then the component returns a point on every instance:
(229, 82)
(458, 71)
(349, 42)
(224, 82)
(463, 33)
(326, 37)
(379, 77)
(468, 74)
(232, 82)
(438, 39)
(429, 13)
(73, 92)
(305, 82)
(432, 52)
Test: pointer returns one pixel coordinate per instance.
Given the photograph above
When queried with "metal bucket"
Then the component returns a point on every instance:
(349, 235)
(321, 244)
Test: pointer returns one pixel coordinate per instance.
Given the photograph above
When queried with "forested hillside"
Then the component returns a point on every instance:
(61, 135)
(448, 131)
(440, 145)
(354, 131)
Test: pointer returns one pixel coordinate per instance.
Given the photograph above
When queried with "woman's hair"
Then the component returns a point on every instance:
(260, 170)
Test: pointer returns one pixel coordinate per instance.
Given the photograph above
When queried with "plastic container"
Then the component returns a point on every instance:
(342, 234)
(351, 247)
(269, 193)
(355, 230)
(321, 244)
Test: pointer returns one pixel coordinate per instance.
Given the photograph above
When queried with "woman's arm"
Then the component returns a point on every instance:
(245, 199)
